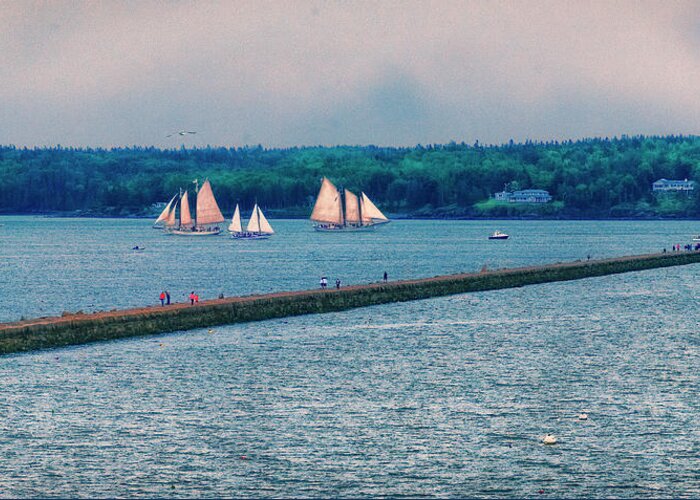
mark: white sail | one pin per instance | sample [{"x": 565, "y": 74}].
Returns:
[
  {"x": 170, "y": 221},
  {"x": 327, "y": 208},
  {"x": 254, "y": 222},
  {"x": 185, "y": 216},
  {"x": 258, "y": 223},
  {"x": 352, "y": 208},
  {"x": 235, "y": 226},
  {"x": 265, "y": 226},
  {"x": 166, "y": 211},
  {"x": 207, "y": 209},
  {"x": 370, "y": 213}
]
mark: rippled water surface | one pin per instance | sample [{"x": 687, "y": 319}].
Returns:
[
  {"x": 444, "y": 397},
  {"x": 53, "y": 265}
]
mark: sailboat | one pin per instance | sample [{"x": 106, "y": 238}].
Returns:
[
  {"x": 258, "y": 226},
  {"x": 345, "y": 212},
  {"x": 207, "y": 215},
  {"x": 160, "y": 221}
]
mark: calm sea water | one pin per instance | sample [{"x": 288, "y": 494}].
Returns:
[
  {"x": 444, "y": 397},
  {"x": 53, "y": 265}
]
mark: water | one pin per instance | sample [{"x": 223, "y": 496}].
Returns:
[
  {"x": 445, "y": 397},
  {"x": 54, "y": 265}
]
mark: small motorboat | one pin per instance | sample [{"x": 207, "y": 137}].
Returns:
[
  {"x": 695, "y": 238},
  {"x": 497, "y": 235}
]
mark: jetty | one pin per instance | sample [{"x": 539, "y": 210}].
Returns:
[{"x": 72, "y": 329}]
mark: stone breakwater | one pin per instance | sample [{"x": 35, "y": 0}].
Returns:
[{"x": 82, "y": 328}]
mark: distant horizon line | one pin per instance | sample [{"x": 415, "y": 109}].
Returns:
[{"x": 476, "y": 144}]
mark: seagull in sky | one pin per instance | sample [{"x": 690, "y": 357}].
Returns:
[{"x": 182, "y": 133}]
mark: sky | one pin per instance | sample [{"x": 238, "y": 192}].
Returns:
[{"x": 295, "y": 73}]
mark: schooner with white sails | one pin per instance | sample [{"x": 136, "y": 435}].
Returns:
[
  {"x": 207, "y": 218},
  {"x": 335, "y": 211},
  {"x": 258, "y": 226}
]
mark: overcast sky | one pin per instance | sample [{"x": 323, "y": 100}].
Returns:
[{"x": 289, "y": 73}]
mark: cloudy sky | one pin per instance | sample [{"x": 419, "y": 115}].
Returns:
[{"x": 285, "y": 73}]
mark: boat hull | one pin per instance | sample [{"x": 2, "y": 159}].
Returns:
[
  {"x": 503, "y": 237},
  {"x": 211, "y": 232},
  {"x": 246, "y": 237},
  {"x": 327, "y": 228}
]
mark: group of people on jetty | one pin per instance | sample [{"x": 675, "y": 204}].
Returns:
[
  {"x": 688, "y": 248},
  {"x": 324, "y": 281},
  {"x": 194, "y": 298},
  {"x": 165, "y": 298}
]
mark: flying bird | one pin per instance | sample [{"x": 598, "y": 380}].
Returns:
[{"x": 181, "y": 132}]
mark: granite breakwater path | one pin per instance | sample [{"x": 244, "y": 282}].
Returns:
[{"x": 72, "y": 329}]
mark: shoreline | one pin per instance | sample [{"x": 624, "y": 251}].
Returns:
[
  {"x": 74, "y": 329},
  {"x": 393, "y": 217}
]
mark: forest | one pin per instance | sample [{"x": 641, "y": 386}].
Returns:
[{"x": 591, "y": 178}]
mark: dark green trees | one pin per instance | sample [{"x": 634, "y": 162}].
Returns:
[{"x": 593, "y": 177}]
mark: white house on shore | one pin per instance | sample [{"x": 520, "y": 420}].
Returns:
[
  {"x": 524, "y": 196},
  {"x": 673, "y": 185}
]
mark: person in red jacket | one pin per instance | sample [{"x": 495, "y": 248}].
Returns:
[
  {"x": 192, "y": 298},
  {"x": 196, "y": 298},
  {"x": 162, "y": 298}
]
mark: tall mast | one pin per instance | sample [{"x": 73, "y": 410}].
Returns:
[
  {"x": 179, "y": 199},
  {"x": 359, "y": 209},
  {"x": 257, "y": 214},
  {"x": 196, "y": 198},
  {"x": 341, "y": 193}
]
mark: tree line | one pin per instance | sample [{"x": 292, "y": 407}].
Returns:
[{"x": 592, "y": 177}]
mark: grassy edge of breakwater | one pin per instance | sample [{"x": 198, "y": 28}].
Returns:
[{"x": 83, "y": 328}]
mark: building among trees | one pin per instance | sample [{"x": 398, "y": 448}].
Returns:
[
  {"x": 524, "y": 196},
  {"x": 673, "y": 185}
]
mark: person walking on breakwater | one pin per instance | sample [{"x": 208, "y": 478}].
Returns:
[
  {"x": 337, "y": 284},
  {"x": 386, "y": 277},
  {"x": 162, "y": 299},
  {"x": 167, "y": 298},
  {"x": 196, "y": 298},
  {"x": 192, "y": 298},
  {"x": 324, "y": 282}
]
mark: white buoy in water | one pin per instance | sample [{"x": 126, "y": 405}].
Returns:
[
  {"x": 583, "y": 416},
  {"x": 549, "y": 439}
]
